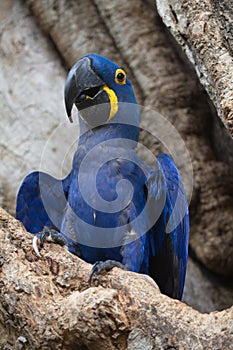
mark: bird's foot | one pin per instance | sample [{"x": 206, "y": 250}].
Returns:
[
  {"x": 48, "y": 235},
  {"x": 104, "y": 266}
]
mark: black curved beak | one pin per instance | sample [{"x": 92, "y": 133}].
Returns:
[{"x": 82, "y": 87}]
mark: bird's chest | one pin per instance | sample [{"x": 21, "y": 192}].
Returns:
[
  {"x": 104, "y": 191},
  {"x": 101, "y": 193}
]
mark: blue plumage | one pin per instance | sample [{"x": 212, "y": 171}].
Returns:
[{"x": 112, "y": 205}]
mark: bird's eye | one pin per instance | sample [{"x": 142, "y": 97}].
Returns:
[{"x": 120, "y": 77}]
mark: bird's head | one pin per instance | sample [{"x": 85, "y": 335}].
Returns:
[{"x": 99, "y": 88}]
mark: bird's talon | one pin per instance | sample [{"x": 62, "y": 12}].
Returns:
[
  {"x": 49, "y": 235},
  {"x": 104, "y": 266},
  {"x": 35, "y": 246}
]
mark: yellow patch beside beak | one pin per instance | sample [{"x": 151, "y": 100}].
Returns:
[{"x": 113, "y": 101}]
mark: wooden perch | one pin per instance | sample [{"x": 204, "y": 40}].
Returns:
[{"x": 47, "y": 304}]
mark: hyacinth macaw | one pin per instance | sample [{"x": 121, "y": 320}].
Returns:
[{"x": 112, "y": 209}]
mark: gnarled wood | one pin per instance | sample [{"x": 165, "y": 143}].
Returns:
[{"x": 47, "y": 304}]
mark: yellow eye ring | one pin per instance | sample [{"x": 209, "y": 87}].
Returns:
[{"x": 120, "y": 77}]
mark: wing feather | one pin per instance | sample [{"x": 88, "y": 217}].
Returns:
[
  {"x": 41, "y": 201},
  {"x": 169, "y": 236}
]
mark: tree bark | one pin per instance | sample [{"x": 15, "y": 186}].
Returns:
[
  {"x": 204, "y": 31},
  {"x": 47, "y": 303}
]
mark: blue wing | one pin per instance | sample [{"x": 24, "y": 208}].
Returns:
[
  {"x": 41, "y": 201},
  {"x": 169, "y": 236}
]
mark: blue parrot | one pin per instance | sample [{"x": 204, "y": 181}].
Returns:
[{"x": 112, "y": 209}]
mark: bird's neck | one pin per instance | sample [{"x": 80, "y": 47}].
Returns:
[
  {"x": 125, "y": 129},
  {"x": 111, "y": 135},
  {"x": 124, "y": 132}
]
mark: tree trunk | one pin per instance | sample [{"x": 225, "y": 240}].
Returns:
[
  {"x": 204, "y": 31},
  {"x": 47, "y": 303}
]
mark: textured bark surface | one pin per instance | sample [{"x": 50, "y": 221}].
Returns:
[
  {"x": 204, "y": 30},
  {"x": 47, "y": 303}
]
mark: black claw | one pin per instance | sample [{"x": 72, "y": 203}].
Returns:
[
  {"x": 57, "y": 238},
  {"x": 104, "y": 266},
  {"x": 42, "y": 236},
  {"x": 49, "y": 235}
]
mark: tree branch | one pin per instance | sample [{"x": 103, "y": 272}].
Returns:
[{"x": 47, "y": 303}]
